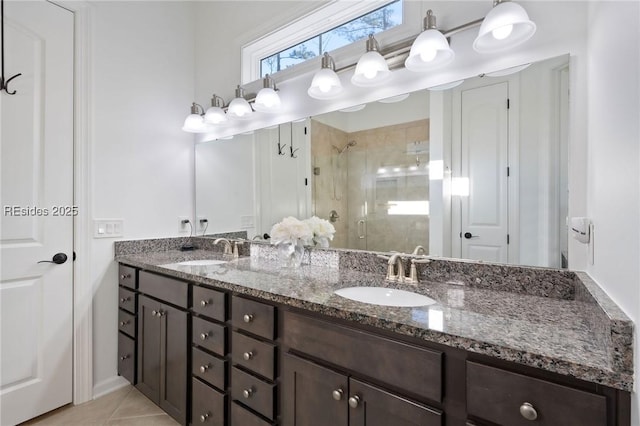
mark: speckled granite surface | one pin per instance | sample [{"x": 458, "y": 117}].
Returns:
[{"x": 566, "y": 324}]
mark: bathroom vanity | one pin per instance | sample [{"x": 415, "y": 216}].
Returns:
[{"x": 248, "y": 343}]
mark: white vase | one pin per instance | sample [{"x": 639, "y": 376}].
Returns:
[{"x": 290, "y": 253}]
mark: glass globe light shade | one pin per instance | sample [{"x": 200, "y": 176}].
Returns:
[
  {"x": 194, "y": 124},
  {"x": 507, "y": 25},
  {"x": 239, "y": 108},
  {"x": 371, "y": 70},
  {"x": 215, "y": 115},
  {"x": 430, "y": 50},
  {"x": 267, "y": 100},
  {"x": 325, "y": 84}
]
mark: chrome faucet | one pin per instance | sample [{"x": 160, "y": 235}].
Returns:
[{"x": 227, "y": 244}]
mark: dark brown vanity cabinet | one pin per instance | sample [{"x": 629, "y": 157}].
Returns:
[
  {"x": 127, "y": 317},
  {"x": 254, "y": 355},
  {"x": 163, "y": 343},
  {"x": 314, "y": 395}
]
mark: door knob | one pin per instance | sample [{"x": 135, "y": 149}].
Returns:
[
  {"x": 58, "y": 259},
  {"x": 469, "y": 235}
]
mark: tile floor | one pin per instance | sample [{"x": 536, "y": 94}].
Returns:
[{"x": 124, "y": 407}]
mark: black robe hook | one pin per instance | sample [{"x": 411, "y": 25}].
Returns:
[{"x": 4, "y": 84}]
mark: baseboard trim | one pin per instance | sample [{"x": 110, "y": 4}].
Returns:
[{"x": 109, "y": 385}]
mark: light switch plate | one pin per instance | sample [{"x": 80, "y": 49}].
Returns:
[{"x": 108, "y": 228}]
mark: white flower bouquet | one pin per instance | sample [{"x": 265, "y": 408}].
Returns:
[
  {"x": 291, "y": 230},
  {"x": 322, "y": 231}
]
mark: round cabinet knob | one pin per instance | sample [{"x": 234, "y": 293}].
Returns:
[
  {"x": 247, "y": 393},
  {"x": 123, "y": 357},
  {"x": 247, "y": 355},
  {"x": 337, "y": 394},
  {"x": 204, "y": 336},
  {"x": 247, "y": 318},
  {"x": 204, "y": 417},
  {"x": 204, "y": 303},
  {"x": 154, "y": 313},
  {"x": 125, "y": 299},
  {"x": 528, "y": 412},
  {"x": 160, "y": 313},
  {"x": 123, "y": 323},
  {"x": 354, "y": 401},
  {"x": 125, "y": 276},
  {"x": 204, "y": 368}
]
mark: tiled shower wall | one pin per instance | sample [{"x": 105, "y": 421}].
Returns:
[{"x": 381, "y": 167}]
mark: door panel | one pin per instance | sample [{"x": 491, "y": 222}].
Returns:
[
  {"x": 174, "y": 376},
  {"x": 484, "y": 161},
  {"x": 377, "y": 407},
  {"x": 36, "y": 139},
  {"x": 308, "y": 394}
]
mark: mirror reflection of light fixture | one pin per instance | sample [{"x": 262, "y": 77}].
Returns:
[
  {"x": 460, "y": 186},
  {"x": 446, "y": 86},
  {"x": 326, "y": 83},
  {"x": 239, "y": 108},
  {"x": 215, "y": 113},
  {"x": 430, "y": 49},
  {"x": 372, "y": 68},
  {"x": 267, "y": 99},
  {"x": 353, "y": 108},
  {"x": 505, "y": 26},
  {"x": 507, "y": 71},
  {"x": 194, "y": 123},
  {"x": 394, "y": 99}
]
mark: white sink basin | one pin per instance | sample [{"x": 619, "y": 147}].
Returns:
[
  {"x": 385, "y": 296},
  {"x": 203, "y": 262}
]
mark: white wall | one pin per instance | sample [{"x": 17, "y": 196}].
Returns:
[
  {"x": 613, "y": 188},
  {"x": 142, "y": 72}
]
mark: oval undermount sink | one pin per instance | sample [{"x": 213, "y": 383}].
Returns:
[
  {"x": 385, "y": 296},
  {"x": 202, "y": 262}
]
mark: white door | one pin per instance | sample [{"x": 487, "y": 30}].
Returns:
[
  {"x": 36, "y": 140},
  {"x": 484, "y": 211}
]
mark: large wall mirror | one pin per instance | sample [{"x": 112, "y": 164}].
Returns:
[{"x": 475, "y": 171}]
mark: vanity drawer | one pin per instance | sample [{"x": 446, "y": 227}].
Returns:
[
  {"x": 210, "y": 303},
  {"x": 127, "y": 300},
  {"x": 127, "y": 323},
  {"x": 207, "y": 405},
  {"x": 164, "y": 288},
  {"x": 255, "y": 317},
  {"x": 242, "y": 417},
  {"x": 127, "y": 277},
  {"x": 409, "y": 368},
  {"x": 126, "y": 358},
  {"x": 209, "y": 335},
  {"x": 257, "y": 356},
  {"x": 209, "y": 368},
  {"x": 501, "y": 396},
  {"x": 253, "y": 392}
]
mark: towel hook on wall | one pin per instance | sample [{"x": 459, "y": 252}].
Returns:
[{"x": 4, "y": 84}]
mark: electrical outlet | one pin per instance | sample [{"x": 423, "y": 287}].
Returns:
[
  {"x": 182, "y": 226},
  {"x": 202, "y": 223}
]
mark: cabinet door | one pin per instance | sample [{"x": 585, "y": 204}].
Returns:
[
  {"x": 149, "y": 325},
  {"x": 174, "y": 374},
  {"x": 372, "y": 406},
  {"x": 313, "y": 395}
]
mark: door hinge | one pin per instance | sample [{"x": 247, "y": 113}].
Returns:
[
  {"x": 305, "y": 130},
  {"x": 508, "y": 171},
  {"x": 306, "y": 182},
  {"x": 507, "y": 238},
  {"x": 508, "y": 103}
]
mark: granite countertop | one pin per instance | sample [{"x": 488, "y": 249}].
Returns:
[{"x": 584, "y": 337}]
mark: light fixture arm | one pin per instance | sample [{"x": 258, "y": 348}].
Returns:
[
  {"x": 372, "y": 44},
  {"x": 327, "y": 62},
  {"x": 217, "y": 101},
  {"x": 194, "y": 108},
  {"x": 269, "y": 83}
]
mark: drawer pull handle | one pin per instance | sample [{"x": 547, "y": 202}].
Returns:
[
  {"x": 204, "y": 417},
  {"x": 528, "y": 412},
  {"x": 125, "y": 299},
  {"x": 123, "y": 357},
  {"x": 247, "y": 318},
  {"x": 247, "y": 355},
  {"x": 337, "y": 394},
  {"x": 125, "y": 276},
  {"x": 123, "y": 323},
  {"x": 247, "y": 393},
  {"x": 204, "y": 336},
  {"x": 354, "y": 401},
  {"x": 204, "y": 368},
  {"x": 204, "y": 303}
]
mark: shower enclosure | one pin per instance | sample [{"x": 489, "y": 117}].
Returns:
[{"x": 377, "y": 181}]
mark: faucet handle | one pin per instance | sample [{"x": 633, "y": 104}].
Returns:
[{"x": 235, "y": 248}]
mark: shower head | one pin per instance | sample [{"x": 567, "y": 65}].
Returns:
[{"x": 346, "y": 147}]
